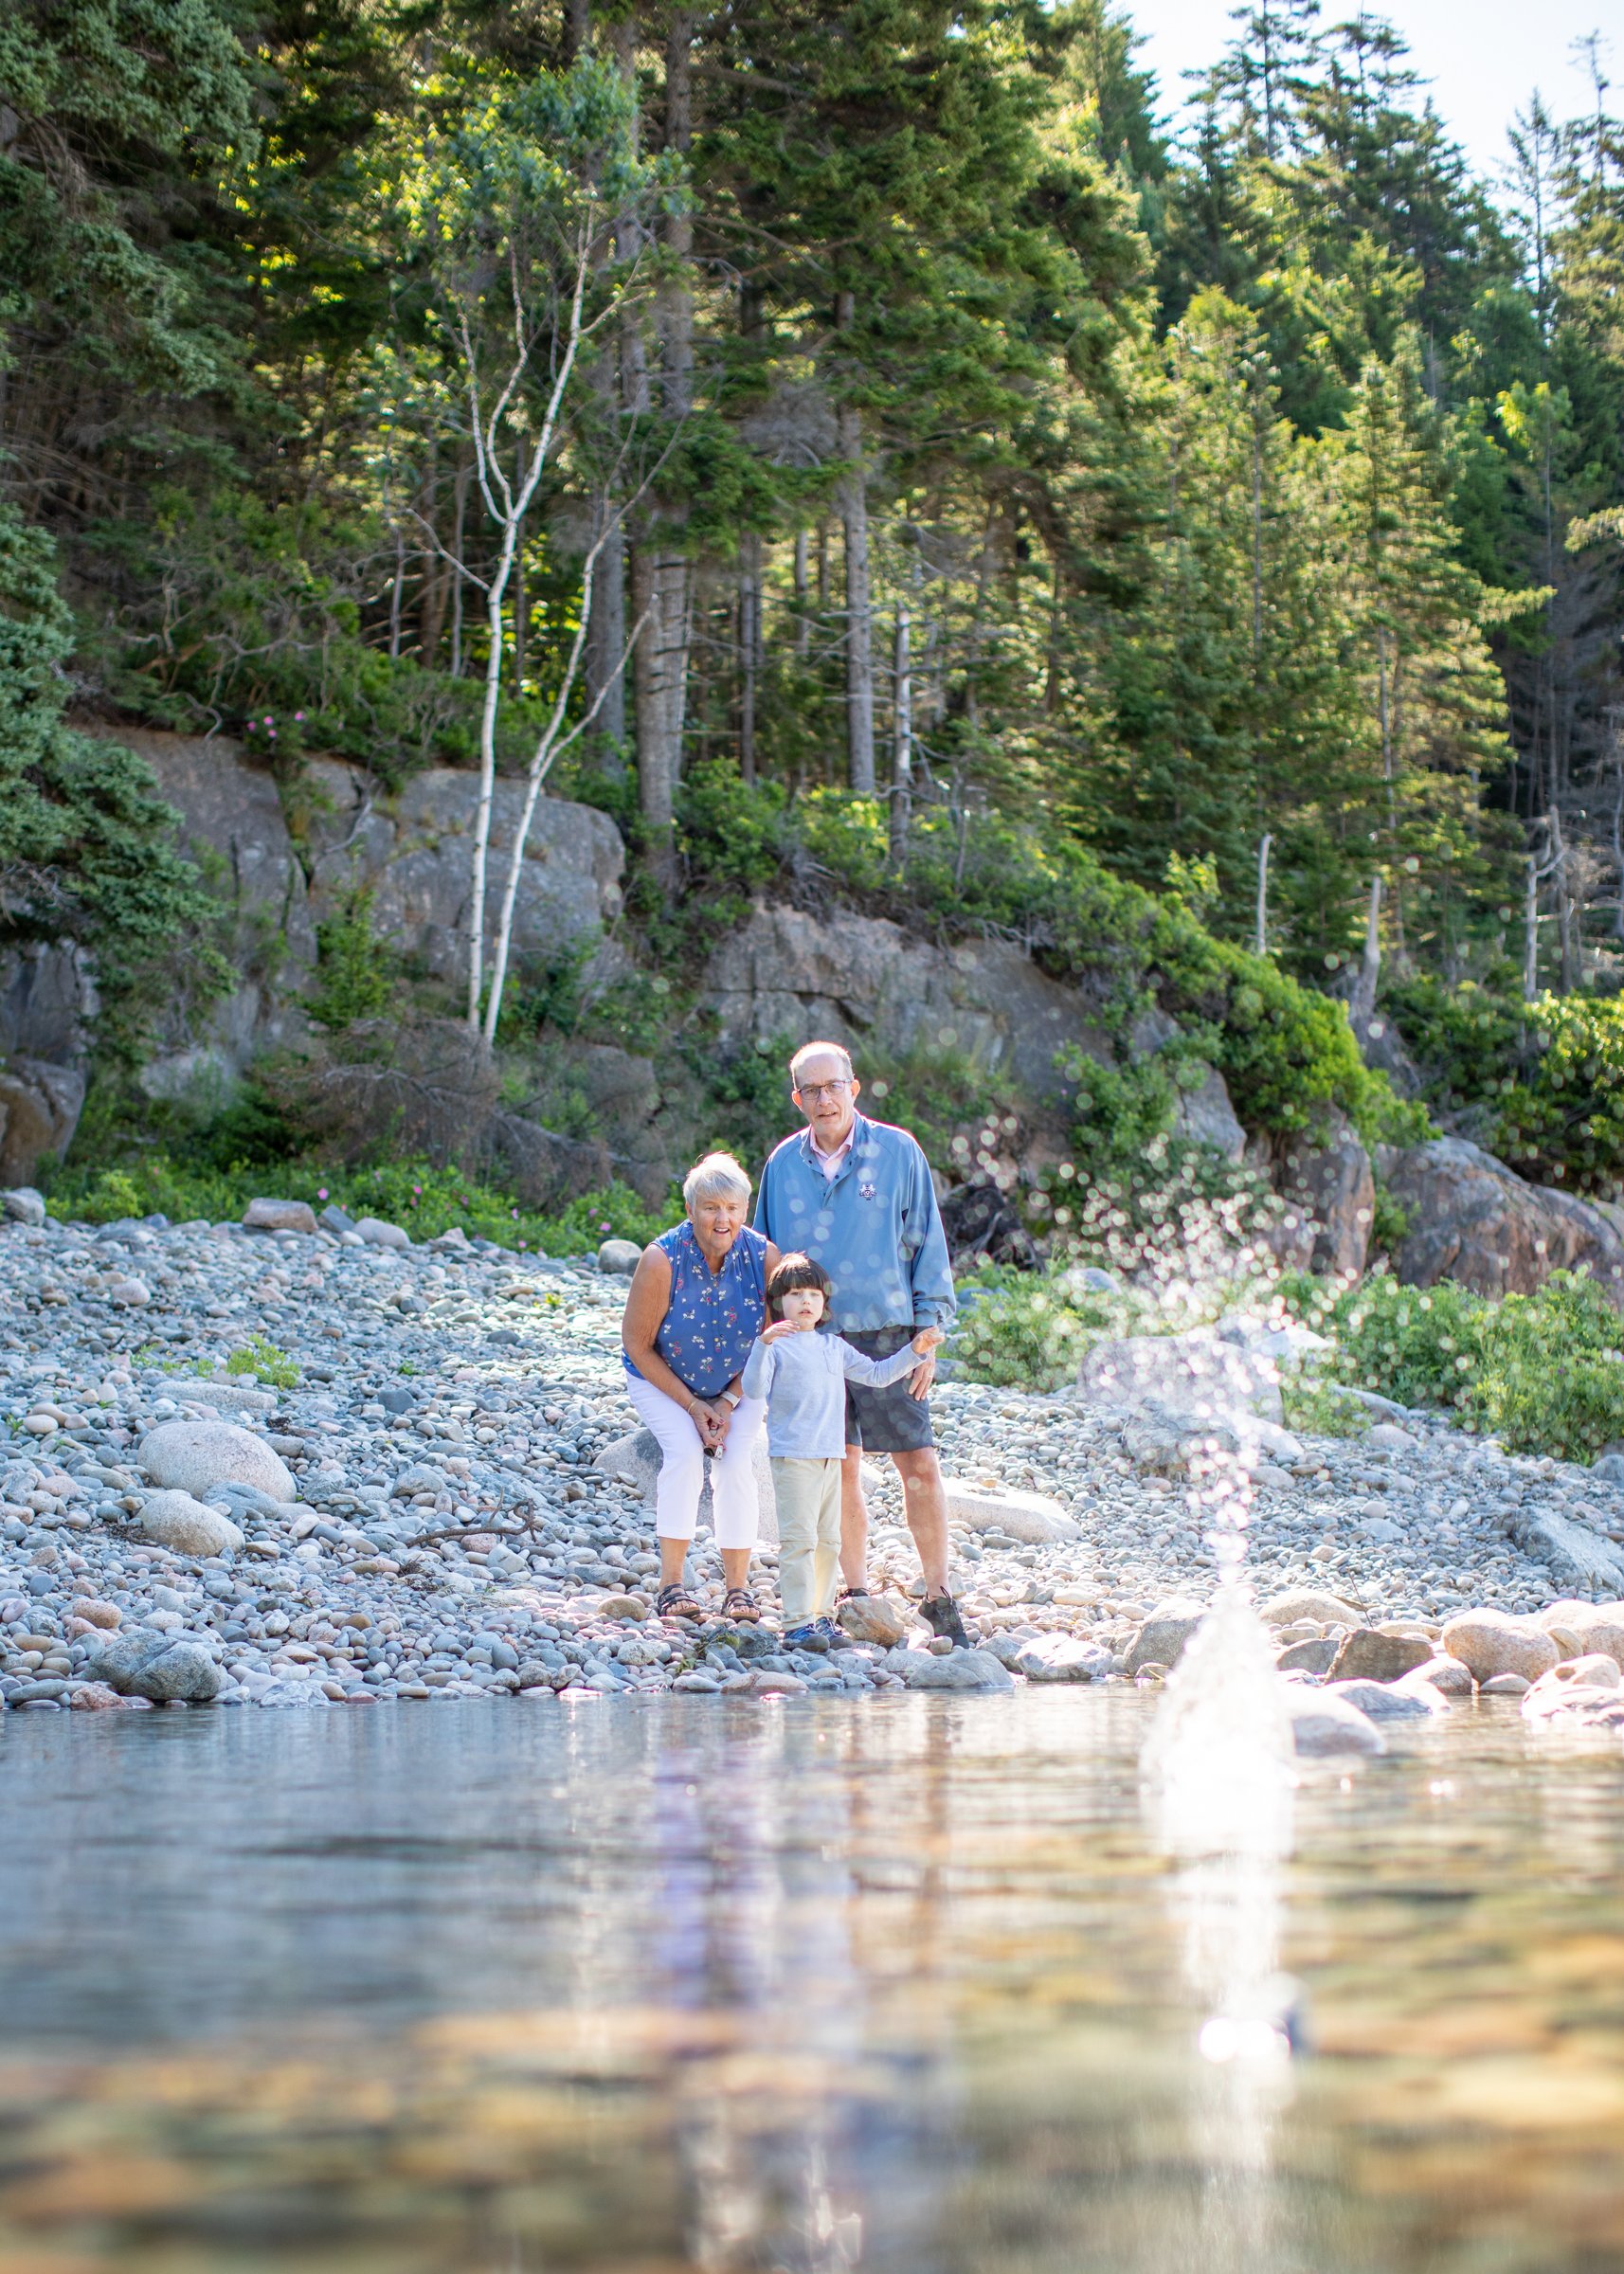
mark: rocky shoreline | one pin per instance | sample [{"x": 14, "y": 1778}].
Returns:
[{"x": 441, "y": 1504}]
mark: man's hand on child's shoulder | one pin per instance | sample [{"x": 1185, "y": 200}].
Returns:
[{"x": 927, "y": 1339}]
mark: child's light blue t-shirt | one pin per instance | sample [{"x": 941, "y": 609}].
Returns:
[{"x": 804, "y": 1378}]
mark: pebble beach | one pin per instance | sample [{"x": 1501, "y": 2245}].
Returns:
[{"x": 421, "y": 1514}]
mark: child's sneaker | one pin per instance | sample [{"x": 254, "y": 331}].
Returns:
[{"x": 809, "y": 1637}]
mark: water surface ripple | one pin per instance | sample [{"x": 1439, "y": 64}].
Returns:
[{"x": 909, "y": 1985}]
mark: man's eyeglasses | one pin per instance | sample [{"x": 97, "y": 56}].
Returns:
[{"x": 813, "y": 1094}]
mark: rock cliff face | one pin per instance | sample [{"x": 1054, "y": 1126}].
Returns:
[
  {"x": 863, "y": 978},
  {"x": 410, "y": 849}
]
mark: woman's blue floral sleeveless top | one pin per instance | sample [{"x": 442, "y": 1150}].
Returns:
[{"x": 713, "y": 1317}]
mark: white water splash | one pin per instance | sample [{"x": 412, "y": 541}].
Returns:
[{"x": 1218, "y": 1783}]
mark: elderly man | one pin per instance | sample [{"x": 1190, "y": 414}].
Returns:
[{"x": 856, "y": 1195}]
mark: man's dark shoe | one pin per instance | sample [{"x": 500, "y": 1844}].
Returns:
[{"x": 942, "y": 1617}]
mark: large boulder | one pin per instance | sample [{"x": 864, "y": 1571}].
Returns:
[
  {"x": 1478, "y": 1223},
  {"x": 1030, "y": 1517},
  {"x": 1321, "y": 1724},
  {"x": 267, "y": 1214},
  {"x": 1369, "y": 1655},
  {"x": 1597, "y": 1628},
  {"x": 957, "y": 1669},
  {"x": 191, "y": 1457},
  {"x": 1582, "y": 1691},
  {"x": 1299, "y": 1603},
  {"x": 410, "y": 848},
  {"x": 39, "y": 1105},
  {"x": 1062, "y": 1658},
  {"x": 1489, "y": 1642},
  {"x": 231, "y": 1396},
  {"x": 1380, "y": 1703},
  {"x": 878, "y": 1618},
  {"x": 982, "y": 1224},
  {"x": 1574, "y": 1555}
]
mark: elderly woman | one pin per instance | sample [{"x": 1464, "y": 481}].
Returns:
[{"x": 695, "y": 1305}]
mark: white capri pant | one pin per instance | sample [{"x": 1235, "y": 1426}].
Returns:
[{"x": 683, "y": 1468}]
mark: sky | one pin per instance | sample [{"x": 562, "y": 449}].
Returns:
[{"x": 1483, "y": 56}]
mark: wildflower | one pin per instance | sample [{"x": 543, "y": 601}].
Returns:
[{"x": 321, "y": 1192}]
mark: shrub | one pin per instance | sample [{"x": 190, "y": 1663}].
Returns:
[
  {"x": 1546, "y": 1079},
  {"x": 355, "y": 969},
  {"x": 1018, "y": 1330},
  {"x": 845, "y": 835},
  {"x": 425, "y": 1199},
  {"x": 1563, "y": 1121},
  {"x": 266, "y": 1363},
  {"x": 1543, "y": 1373},
  {"x": 1319, "y": 1409}
]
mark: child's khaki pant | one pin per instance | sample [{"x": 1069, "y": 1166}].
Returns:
[{"x": 809, "y": 1497}]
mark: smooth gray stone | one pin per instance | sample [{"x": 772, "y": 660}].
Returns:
[
  {"x": 1382, "y": 1703},
  {"x": 1161, "y": 1640},
  {"x": 158, "y": 1667},
  {"x": 192, "y": 1456},
  {"x": 957, "y": 1669}
]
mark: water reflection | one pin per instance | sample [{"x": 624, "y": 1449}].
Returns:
[{"x": 915, "y": 1985}]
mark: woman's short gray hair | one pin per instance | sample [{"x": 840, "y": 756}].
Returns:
[{"x": 713, "y": 1177}]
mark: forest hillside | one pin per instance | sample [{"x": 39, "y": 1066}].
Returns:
[{"x": 895, "y": 494}]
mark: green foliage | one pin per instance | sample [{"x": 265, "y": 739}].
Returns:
[
  {"x": 1282, "y": 1050},
  {"x": 1563, "y": 1120},
  {"x": 848, "y": 836},
  {"x": 83, "y": 841},
  {"x": 354, "y": 974},
  {"x": 1543, "y": 1373},
  {"x": 425, "y": 1199},
  {"x": 266, "y": 1363},
  {"x": 730, "y": 832},
  {"x": 1018, "y": 1330},
  {"x": 1320, "y": 1409},
  {"x": 1119, "y": 1112},
  {"x": 1542, "y": 1083}
]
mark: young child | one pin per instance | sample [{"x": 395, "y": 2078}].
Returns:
[{"x": 802, "y": 1374}]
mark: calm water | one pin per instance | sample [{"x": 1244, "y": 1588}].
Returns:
[{"x": 905, "y": 1985}]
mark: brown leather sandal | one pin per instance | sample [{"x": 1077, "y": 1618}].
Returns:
[
  {"x": 677, "y": 1602},
  {"x": 740, "y": 1605}
]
